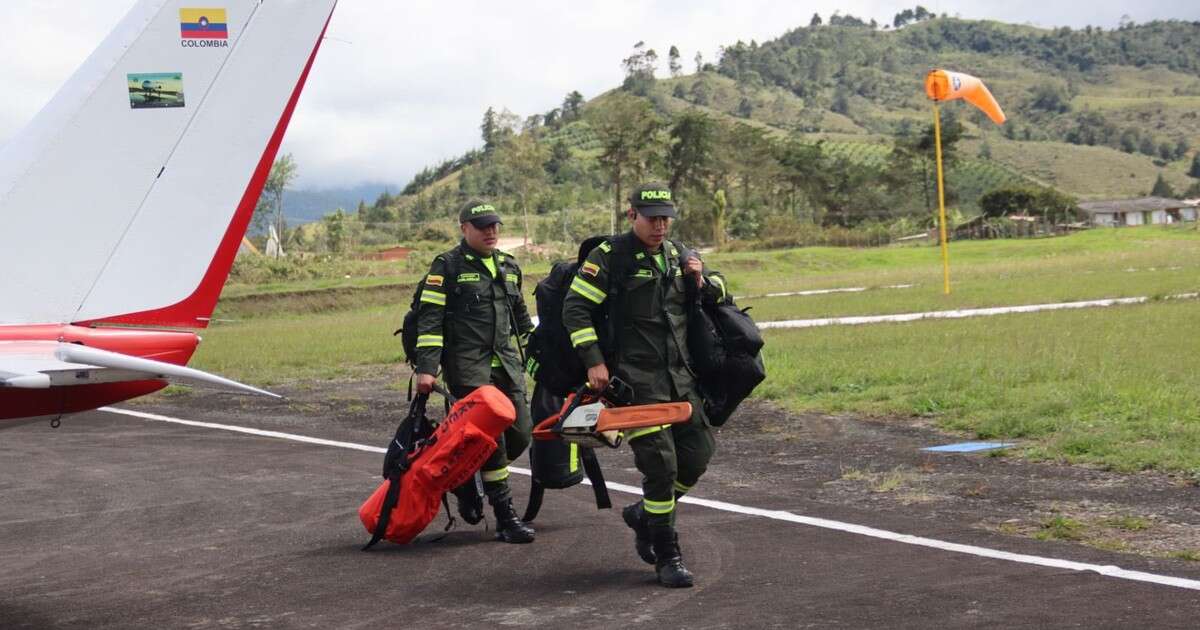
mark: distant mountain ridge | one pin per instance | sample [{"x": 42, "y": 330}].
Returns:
[{"x": 308, "y": 205}]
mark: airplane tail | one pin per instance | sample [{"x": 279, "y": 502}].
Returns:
[{"x": 126, "y": 198}]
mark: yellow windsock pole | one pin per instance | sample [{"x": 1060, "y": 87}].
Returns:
[
  {"x": 937, "y": 141},
  {"x": 942, "y": 85}
]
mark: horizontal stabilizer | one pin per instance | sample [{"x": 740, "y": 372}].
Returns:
[
  {"x": 73, "y": 353},
  {"x": 45, "y": 364}
]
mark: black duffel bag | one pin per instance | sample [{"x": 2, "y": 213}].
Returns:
[{"x": 725, "y": 345}]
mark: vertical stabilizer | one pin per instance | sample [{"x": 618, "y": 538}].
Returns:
[{"x": 128, "y": 195}]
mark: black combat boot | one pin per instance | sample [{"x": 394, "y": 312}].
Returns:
[
  {"x": 669, "y": 564},
  {"x": 509, "y": 528},
  {"x": 470, "y": 502},
  {"x": 635, "y": 518}
]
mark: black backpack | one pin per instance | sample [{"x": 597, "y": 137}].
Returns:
[
  {"x": 550, "y": 358},
  {"x": 556, "y": 464},
  {"x": 408, "y": 328}
]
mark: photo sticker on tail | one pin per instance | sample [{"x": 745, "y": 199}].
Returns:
[{"x": 155, "y": 89}]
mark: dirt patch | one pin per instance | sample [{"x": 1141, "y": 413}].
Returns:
[{"x": 851, "y": 461}]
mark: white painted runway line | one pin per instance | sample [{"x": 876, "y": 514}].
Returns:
[
  {"x": 778, "y": 515},
  {"x": 822, "y": 291},
  {"x": 963, "y": 313}
]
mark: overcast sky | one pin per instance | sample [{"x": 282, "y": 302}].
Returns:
[{"x": 400, "y": 85}]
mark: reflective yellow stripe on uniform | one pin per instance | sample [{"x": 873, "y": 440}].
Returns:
[
  {"x": 500, "y": 474},
  {"x": 429, "y": 341},
  {"x": 659, "y": 507},
  {"x": 588, "y": 290},
  {"x": 682, "y": 488},
  {"x": 496, "y": 361},
  {"x": 582, "y": 336},
  {"x": 433, "y": 297},
  {"x": 637, "y": 433},
  {"x": 574, "y": 457},
  {"x": 720, "y": 283}
]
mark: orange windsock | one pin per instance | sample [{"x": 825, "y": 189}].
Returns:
[{"x": 943, "y": 85}]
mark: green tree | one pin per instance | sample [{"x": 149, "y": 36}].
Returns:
[
  {"x": 335, "y": 230},
  {"x": 1166, "y": 151},
  {"x": 690, "y": 154},
  {"x": 841, "y": 101},
  {"x": 269, "y": 209},
  {"x": 639, "y": 69},
  {"x": 1162, "y": 188},
  {"x": 673, "y": 61},
  {"x": 912, "y": 163},
  {"x": 719, "y": 217},
  {"x": 560, "y": 155},
  {"x": 379, "y": 212},
  {"x": 1003, "y": 202},
  {"x": 1195, "y": 170},
  {"x": 1181, "y": 149},
  {"x": 802, "y": 175},
  {"x": 572, "y": 106},
  {"x": 626, "y": 127},
  {"x": 815, "y": 21},
  {"x": 488, "y": 129},
  {"x": 1056, "y": 207},
  {"x": 747, "y": 156},
  {"x": 1146, "y": 146},
  {"x": 522, "y": 162},
  {"x": 745, "y": 108},
  {"x": 851, "y": 193},
  {"x": 1050, "y": 97}
]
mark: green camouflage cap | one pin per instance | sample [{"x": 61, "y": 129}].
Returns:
[
  {"x": 480, "y": 213},
  {"x": 653, "y": 200}
]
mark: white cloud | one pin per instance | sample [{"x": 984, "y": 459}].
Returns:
[{"x": 398, "y": 86}]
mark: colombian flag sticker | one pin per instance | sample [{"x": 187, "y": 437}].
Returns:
[{"x": 203, "y": 24}]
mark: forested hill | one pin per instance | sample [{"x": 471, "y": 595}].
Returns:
[{"x": 829, "y": 125}]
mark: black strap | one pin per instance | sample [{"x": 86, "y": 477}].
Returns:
[
  {"x": 536, "y": 493},
  {"x": 591, "y": 467},
  {"x": 385, "y": 512},
  {"x": 450, "y": 522},
  {"x": 618, "y": 268}
]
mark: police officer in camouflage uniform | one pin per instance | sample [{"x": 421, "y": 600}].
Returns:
[
  {"x": 648, "y": 308},
  {"x": 469, "y": 330}
]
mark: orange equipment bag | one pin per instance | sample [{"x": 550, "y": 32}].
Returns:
[{"x": 401, "y": 507}]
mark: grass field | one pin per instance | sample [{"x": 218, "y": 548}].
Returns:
[{"x": 1119, "y": 387}]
